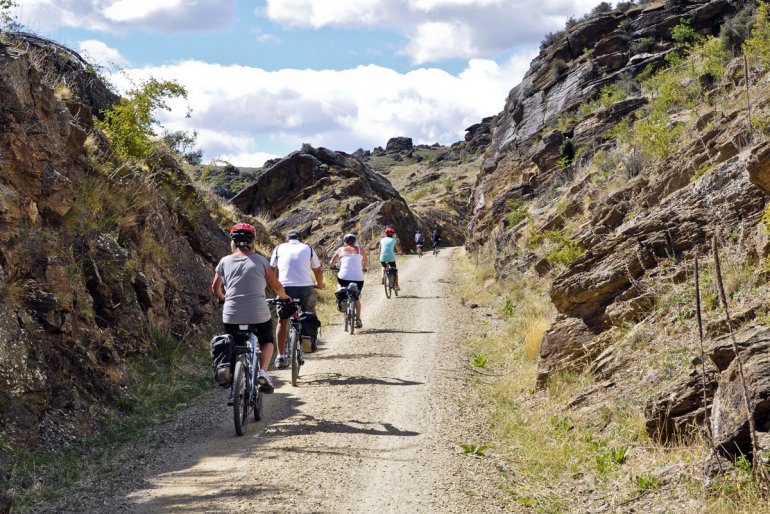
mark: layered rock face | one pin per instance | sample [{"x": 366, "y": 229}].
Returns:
[
  {"x": 568, "y": 72},
  {"x": 91, "y": 254},
  {"x": 325, "y": 194}
]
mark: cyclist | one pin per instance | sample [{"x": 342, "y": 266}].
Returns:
[
  {"x": 295, "y": 263},
  {"x": 389, "y": 246},
  {"x": 436, "y": 237},
  {"x": 353, "y": 262},
  {"x": 239, "y": 283},
  {"x": 419, "y": 239}
]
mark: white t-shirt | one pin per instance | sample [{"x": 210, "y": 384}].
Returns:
[
  {"x": 294, "y": 261},
  {"x": 351, "y": 266}
]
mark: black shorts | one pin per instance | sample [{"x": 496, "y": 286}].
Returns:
[
  {"x": 386, "y": 264},
  {"x": 345, "y": 283},
  {"x": 307, "y": 300},
  {"x": 263, "y": 331}
]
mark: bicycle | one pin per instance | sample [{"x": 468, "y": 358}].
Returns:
[
  {"x": 435, "y": 250},
  {"x": 419, "y": 249},
  {"x": 389, "y": 281},
  {"x": 293, "y": 339},
  {"x": 351, "y": 314},
  {"x": 247, "y": 398}
]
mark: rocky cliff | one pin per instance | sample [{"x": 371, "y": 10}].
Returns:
[
  {"x": 572, "y": 191},
  {"x": 94, "y": 253}
]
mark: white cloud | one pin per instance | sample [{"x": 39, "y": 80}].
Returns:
[
  {"x": 437, "y": 29},
  {"x": 244, "y": 114},
  {"x": 99, "y": 53},
  {"x": 119, "y": 15}
]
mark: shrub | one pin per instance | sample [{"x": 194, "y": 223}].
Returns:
[
  {"x": 558, "y": 68},
  {"x": 737, "y": 29},
  {"x": 757, "y": 47},
  {"x": 602, "y": 8},
  {"x": 550, "y": 39},
  {"x": 642, "y": 45},
  {"x": 129, "y": 124},
  {"x": 624, "y": 6},
  {"x": 684, "y": 35},
  {"x": 516, "y": 212}
]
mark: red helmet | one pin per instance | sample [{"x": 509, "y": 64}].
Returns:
[
  {"x": 242, "y": 234},
  {"x": 390, "y": 230}
]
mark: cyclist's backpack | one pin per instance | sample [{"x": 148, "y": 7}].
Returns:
[
  {"x": 310, "y": 324},
  {"x": 342, "y": 296},
  {"x": 221, "y": 356}
]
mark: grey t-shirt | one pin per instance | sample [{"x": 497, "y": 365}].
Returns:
[{"x": 244, "y": 280}]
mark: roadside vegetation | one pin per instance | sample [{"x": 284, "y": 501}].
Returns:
[{"x": 581, "y": 443}]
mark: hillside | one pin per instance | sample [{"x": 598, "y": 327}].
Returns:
[{"x": 637, "y": 144}]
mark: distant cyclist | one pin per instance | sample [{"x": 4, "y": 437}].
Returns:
[
  {"x": 296, "y": 264},
  {"x": 353, "y": 261},
  {"x": 436, "y": 238},
  {"x": 419, "y": 240},
  {"x": 239, "y": 283},
  {"x": 389, "y": 246}
]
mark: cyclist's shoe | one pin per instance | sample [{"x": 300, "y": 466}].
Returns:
[
  {"x": 281, "y": 362},
  {"x": 358, "y": 323},
  {"x": 265, "y": 385},
  {"x": 231, "y": 398}
]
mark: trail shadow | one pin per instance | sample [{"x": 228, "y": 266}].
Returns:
[
  {"x": 393, "y": 331},
  {"x": 332, "y": 379},
  {"x": 415, "y": 297},
  {"x": 356, "y": 356},
  {"x": 311, "y": 425}
]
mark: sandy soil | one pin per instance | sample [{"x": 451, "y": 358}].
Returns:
[{"x": 374, "y": 425}]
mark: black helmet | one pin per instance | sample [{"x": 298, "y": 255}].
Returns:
[
  {"x": 242, "y": 234},
  {"x": 294, "y": 234},
  {"x": 349, "y": 238}
]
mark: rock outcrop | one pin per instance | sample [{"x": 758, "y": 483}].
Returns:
[
  {"x": 324, "y": 194},
  {"x": 92, "y": 252}
]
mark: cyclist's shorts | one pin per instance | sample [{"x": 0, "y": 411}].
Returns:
[
  {"x": 263, "y": 331},
  {"x": 307, "y": 298},
  {"x": 345, "y": 283},
  {"x": 386, "y": 264}
]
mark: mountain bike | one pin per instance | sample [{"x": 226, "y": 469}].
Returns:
[
  {"x": 390, "y": 281},
  {"x": 351, "y": 314},
  {"x": 247, "y": 398},
  {"x": 435, "y": 250},
  {"x": 419, "y": 249},
  {"x": 293, "y": 346}
]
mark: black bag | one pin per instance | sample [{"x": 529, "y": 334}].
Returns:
[
  {"x": 310, "y": 324},
  {"x": 221, "y": 357},
  {"x": 342, "y": 296}
]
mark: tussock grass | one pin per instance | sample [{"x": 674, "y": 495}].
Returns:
[{"x": 559, "y": 458}]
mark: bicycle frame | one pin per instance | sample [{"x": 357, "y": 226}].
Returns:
[{"x": 247, "y": 398}]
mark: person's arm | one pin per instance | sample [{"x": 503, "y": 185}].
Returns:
[
  {"x": 216, "y": 287},
  {"x": 398, "y": 248},
  {"x": 319, "y": 278},
  {"x": 335, "y": 258},
  {"x": 275, "y": 284},
  {"x": 364, "y": 258}
]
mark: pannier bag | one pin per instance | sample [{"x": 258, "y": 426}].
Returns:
[
  {"x": 353, "y": 290},
  {"x": 342, "y": 296},
  {"x": 221, "y": 356},
  {"x": 310, "y": 324}
]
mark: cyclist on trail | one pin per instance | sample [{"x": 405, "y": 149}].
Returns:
[
  {"x": 239, "y": 283},
  {"x": 436, "y": 237},
  {"x": 353, "y": 262},
  {"x": 389, "y": 246},
  {"x": 296, "y": 264},
  {"x": 419, "y": 239}
]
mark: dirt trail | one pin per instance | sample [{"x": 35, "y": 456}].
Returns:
[{"x": 374, "y": 426}]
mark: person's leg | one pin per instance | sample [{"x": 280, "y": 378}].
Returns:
[
  {"x": 280, "y": 335},
  {"x": 264, "y": 333},
  {"x": 358, "y": 301}
]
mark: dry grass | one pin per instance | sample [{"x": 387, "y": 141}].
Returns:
[{"x": 596, "y": 455}]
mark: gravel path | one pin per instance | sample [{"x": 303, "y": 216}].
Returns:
[{"x": 374, "y": 425}]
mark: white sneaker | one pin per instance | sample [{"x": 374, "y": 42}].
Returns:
[{"x": 281, "y": 362}]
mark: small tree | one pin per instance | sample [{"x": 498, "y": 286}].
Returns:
[
  {"x": 7, "y": 20},
  {"x": 129, "y": 124}
]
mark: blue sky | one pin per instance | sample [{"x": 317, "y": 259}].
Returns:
[{"x": 264, "y": 77}]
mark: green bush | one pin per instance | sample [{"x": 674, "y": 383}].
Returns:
[
  {"x": 129, "y": 124},
  {"x": 757, "y": 47},
  {"x": 516, "y": 212}
]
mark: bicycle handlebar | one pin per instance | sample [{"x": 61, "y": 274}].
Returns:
[{"x": 279, "y": 301}]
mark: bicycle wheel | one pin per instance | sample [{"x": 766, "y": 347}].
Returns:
[
  {"x": 347, "y": 318},
  {"x": 352, "y": 316},
  {"x": 257, "y": 404},
  {"x": 241, "y": 403},
  {"x": 388, "y": 285},
  {"x": 294, "y": 356}
]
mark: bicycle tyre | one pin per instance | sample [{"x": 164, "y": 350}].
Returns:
[
  {"x": 294, "y": 356},
  {"x": 257, "y": 404},
  {"x": 388, "y": 282},
  {"x": 352, "y": 317},
  {"x": 347, "y": 319},
  {"x": 241, "y": 403},
  {"x": 395, "y": 289}
]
